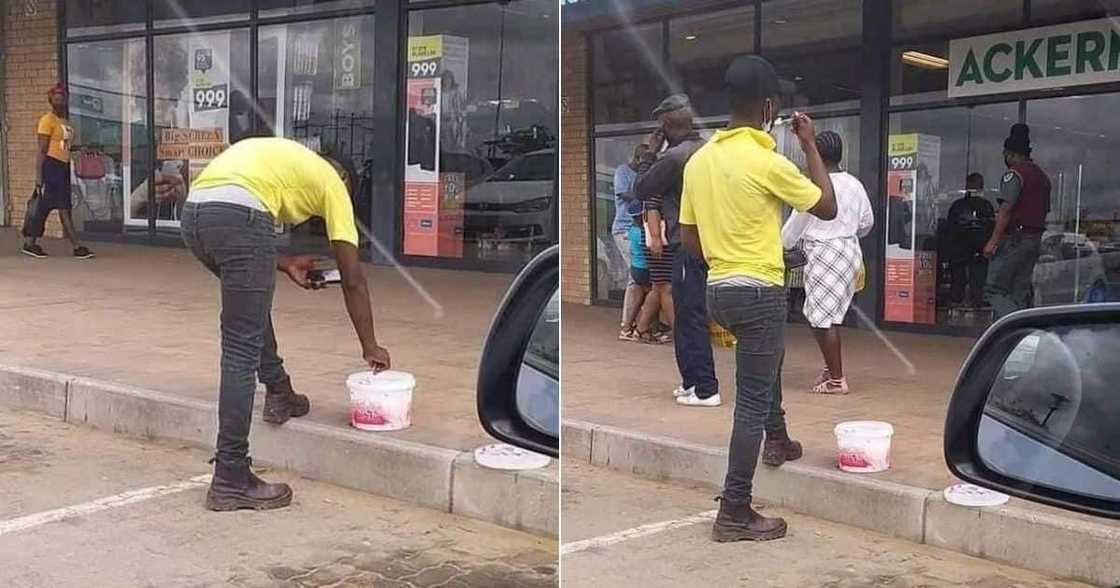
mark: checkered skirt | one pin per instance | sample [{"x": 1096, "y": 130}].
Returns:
[{"x": 830, "y": 279}]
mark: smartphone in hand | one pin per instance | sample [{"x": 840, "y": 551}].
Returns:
[{"x": 324, "y": 277}]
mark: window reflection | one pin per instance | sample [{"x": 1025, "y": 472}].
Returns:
[
  {"x": 315, "y": 82},
  {"x": 202, "y": 105},
  {"x": 1051, "y": 414},
  {"x": 481, "y": 132},
  {"x": 109, "y": 112}
]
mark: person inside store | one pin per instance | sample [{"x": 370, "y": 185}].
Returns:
[
  {"x": 229, "y": 222},
  {"x": 970, "y": 223},
  {"x": 1017, "y": 238},
  {"x": 660, "y": 176},
  {"x": 734, "y": 189},
  {"x": 626, "y": 207},
  {"x": 834, "y": 259},
  {"x": 52, "y": 177}
]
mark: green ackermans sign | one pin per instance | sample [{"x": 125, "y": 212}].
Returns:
[{"x": 1073, "y": 54}]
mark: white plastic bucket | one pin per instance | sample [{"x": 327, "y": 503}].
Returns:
[
  {"x": 864, "y": 446},
  {"x": 381, "y": 402}
]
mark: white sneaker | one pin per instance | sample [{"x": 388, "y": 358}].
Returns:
[
  {"x": 681, "y": 391},
  {"x": 691, "y": 399}
]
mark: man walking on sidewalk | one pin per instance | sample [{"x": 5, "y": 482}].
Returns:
[
  {"x": 661, "y": 175},
  {"x": 52, "y": 176},
  {"x": 731, "y": 214},
  {"x": 229, "y": 223}
]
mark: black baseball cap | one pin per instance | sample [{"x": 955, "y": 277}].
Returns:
[{"x": 752, "y": 78}]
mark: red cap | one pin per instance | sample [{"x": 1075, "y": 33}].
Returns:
[{"x": 56, "y": 89}]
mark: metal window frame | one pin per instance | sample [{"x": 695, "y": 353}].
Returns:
[{"x": 390, "y": 45}]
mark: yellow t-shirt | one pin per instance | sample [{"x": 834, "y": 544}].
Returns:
[
  {"x": 293, "y": 182},
  {"x": 734, "y": 187},
  {"x": 61, "y": 134}
]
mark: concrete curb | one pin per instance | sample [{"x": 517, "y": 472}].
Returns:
[
  {"x": 434, "y": 477},
  {"x": 34, "y": 390},
  {"x": 1050, "y": 543}
]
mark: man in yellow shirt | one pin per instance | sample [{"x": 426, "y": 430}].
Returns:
[
  {"x": 229, "y": 224},
  {"x": 52, "y": 176},
  {"x": 731, "y": 216}
]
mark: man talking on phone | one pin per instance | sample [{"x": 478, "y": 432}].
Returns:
[
  {"x": 229, "y": 224},
  {"x": 659, "y": 181}
]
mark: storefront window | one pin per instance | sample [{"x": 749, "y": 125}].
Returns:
[
  {"x": 611, "y": 246},
  {"x": 816, "y": 46},
  {"x": 269, "y": 8},
  {"x": 109, "y": 112},
  {"x": 701, "y": 47},
  {"x": 1072, "y": 140},
  {"x": 481, "y": 132},
  {"x": 96, "y": 17},
  {"x": 202, "y": 105},
  {"x": 1050, "y": 11},
  {"x": 629, "y": 76},
  {"x": 922, "y": 19},
  {"x": 934, "y": 271},
  {"x": 920, "y": 73},
  {"x": 315, "y": 83},
  {"x": 195, "y": 12}
]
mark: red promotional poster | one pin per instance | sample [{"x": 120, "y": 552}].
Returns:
[
  {"x": 421, "y": 182},
  {"x": 913, "y": 175},
  {"x": 450, "y": 214}
]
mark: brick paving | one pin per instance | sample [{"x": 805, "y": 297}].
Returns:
[{"x": 148, "y": 317}]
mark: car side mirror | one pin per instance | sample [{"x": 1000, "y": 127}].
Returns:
[
  {"x": 519, "y": 374},
  {"x": 1036, "y": 409}
]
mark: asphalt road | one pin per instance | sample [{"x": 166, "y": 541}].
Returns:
[
  {"x": 87, "y": 508},
  {"x": 623, "y": 531}
]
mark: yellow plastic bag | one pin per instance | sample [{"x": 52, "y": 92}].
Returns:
[
  {"x": 720, "y": 336},
  {"x": 861, "y": 278}
]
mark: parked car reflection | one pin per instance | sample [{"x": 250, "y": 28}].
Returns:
[
  {"x": 1070, "y": 270},
  {"x": 514, "y": 203}
]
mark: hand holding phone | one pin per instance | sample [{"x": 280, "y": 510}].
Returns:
[{"x": 322, "y": 277}]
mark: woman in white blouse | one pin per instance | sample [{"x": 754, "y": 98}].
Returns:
[{"x": 834, "y": 261}]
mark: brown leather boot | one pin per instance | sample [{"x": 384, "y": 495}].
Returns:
[
  {"x": 281, "y": 403},
  {"x": 740, "y": 522},
  {"x": 235, "y": 487},
  {"x": 779, "y": 448}
]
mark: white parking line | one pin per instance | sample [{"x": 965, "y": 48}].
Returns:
[
  {"x": 106, "y": 503},
  {"x": 636, "y": 532}
]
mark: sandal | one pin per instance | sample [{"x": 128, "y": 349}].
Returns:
[
  {"x": 649, "y": 338},
  {"x": 822, "y": 378},
  {"x": 628, "y": 334},
  {"x": 832, "y": 387}
]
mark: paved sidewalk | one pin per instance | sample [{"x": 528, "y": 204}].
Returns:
[
  {"x": 147, "y": 317},
  {"x": 628, "y": 385}
]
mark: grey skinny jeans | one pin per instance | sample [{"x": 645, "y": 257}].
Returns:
[
  {"x": 238, "y": 245},
  {"x": 757, "y": 319}
]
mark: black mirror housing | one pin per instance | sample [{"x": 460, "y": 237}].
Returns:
[
  {"x": 975, "y": 382},
  {"x": 505, "y": 348}
]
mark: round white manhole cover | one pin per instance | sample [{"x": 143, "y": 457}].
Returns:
[
  {"x": 502, "y": 456},
  {"x": 974, "y": 496}
]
